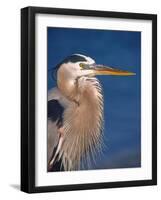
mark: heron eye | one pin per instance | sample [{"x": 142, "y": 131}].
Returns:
[{"x": 81, "y": 65}]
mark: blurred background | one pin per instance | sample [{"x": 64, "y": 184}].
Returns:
[{"x": 122, "y": 99}]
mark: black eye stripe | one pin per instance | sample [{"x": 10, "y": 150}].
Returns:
[{"x": 74, "y": 59}]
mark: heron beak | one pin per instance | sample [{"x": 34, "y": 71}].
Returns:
[{"x": 105, "y": 70}]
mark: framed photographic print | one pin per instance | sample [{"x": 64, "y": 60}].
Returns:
[{"x": 88, "y": 99}]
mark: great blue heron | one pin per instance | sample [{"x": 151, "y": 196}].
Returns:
[{"x": 75, "y": 112}]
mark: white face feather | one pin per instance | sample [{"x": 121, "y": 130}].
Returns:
[{"x": 69, "y": 72}]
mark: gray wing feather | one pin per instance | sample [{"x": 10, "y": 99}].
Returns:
[{"x": 56, "y": 105}]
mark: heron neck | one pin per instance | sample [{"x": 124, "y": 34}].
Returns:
[
  {"x": 69, "y": 89},
  {"x": 83, "y": 123}
]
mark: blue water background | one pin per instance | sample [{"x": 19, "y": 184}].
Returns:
[{"x": 122, "y": 112}]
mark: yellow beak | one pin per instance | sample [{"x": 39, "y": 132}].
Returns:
[{"x": 105, "y": 70}]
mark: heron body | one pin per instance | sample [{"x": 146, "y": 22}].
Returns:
[{"x": 75, "y": 113}]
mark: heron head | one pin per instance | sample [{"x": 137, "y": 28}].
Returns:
[{"x": 78, "y": 65}]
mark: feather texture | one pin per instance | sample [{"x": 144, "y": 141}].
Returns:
[{"x": 82, "y": 125}]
